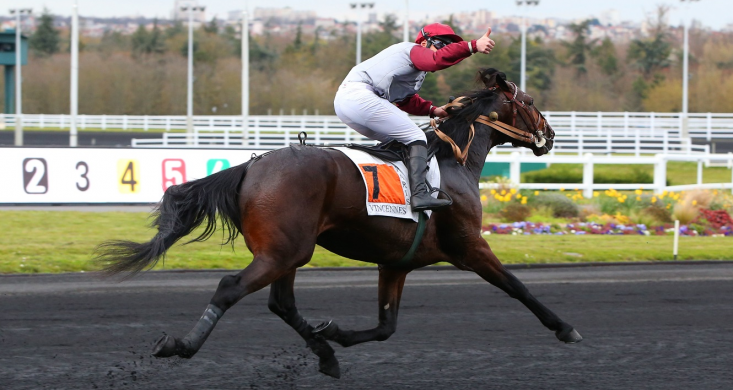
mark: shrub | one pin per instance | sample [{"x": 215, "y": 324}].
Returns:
[
  {"x": 515, "y": 212},
  {"x": 561, "y": 206},
  {"x": 685, "y": 212},
  {"x": 658, "y": 214}
]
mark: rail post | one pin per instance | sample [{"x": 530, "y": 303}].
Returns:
[
  {"x": 515, "y": 169},
  {"x": 699, "y": 172},
  {"x": 588, "y": 176},
  {"x": 626, "y": 123},
  {"x": 710, "y": 126},
  {"x": 572, "y": 123},
  {"x": 660, "y": 173}
]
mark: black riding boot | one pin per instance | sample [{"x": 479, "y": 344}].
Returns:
[{"x": 418, "y": 167}]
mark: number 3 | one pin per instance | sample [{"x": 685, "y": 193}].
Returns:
[{"x": 83, "y": 176}]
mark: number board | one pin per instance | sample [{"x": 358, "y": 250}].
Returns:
[
  {"x": 174, "y": 172},
  {"x": 127, "y": 173},
  {"x": 35, "y": 176},
  {"x": 105, "y": 175},
  {"x": 216, "y": 165}
]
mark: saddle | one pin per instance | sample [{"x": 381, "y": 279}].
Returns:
[{"x": 391, "y": 151}]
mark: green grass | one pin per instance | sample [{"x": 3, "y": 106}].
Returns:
[
  {"x": 63, "y": 241},
  {"x": 678, "y": 173}
]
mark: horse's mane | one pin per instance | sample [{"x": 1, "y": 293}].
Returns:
[{"x": 457, "y": 127}]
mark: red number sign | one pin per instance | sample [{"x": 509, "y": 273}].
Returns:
[{"x": 174, "y": 172}]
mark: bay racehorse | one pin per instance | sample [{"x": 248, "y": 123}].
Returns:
[{"x": 292, "y": 199}]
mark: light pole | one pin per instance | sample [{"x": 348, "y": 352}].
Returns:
[
  {"x": 358, "y": 27},
  {"x": 18, "y": 79},
  {"x": 523, "y": 28},
  {"x": 406, "y": 25},
  {"x": 245, "y": 76},
  {"x": 686, "y": 69},
  {"x": 189, "y": 94},
  {"x": 74, "y": 99}
]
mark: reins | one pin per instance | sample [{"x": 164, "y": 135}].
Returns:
[{"x": 491, "y": 121}]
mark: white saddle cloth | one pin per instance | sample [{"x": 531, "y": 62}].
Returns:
[{"x": 387, "y": 184}]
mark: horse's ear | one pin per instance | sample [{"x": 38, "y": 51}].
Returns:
[{"x": 491, "y": 77}]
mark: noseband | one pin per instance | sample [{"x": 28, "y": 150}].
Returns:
[{"x": 535, "y": 136}]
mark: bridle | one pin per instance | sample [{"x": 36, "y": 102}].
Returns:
[{"x": 536, "y": 136}]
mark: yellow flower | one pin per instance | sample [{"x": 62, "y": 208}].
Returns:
[
  {"x": 595, "y": 194},
  {"x": 562, "y": 189},
  {"x": 669, "y": 205},
  {"x": 638, "y": 198},
  {"x": 694, "y": 203},
  {"x": 503, "y": 192},
  {"x": 715, "y": 192},
  {"x": 484, "y": 198},
  {"x": 524, "y": 200},
  {"x": 497, "y": 197},
  {"x": 638, "y": 192},
  {"x": 493, "y": 192},
  {"x": 665, "y": 193},
  {"x": 575, "y": 189},
  {"x": 536, "y": 193},
  {"x": 621, "y": 200},
  {"x": 513, "y": 191},
  {"x": 654, "y": 199},
  {"x": 519, "y": 196}
]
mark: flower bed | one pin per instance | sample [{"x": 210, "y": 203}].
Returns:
[
  {"x": 581, "y": 228},
  {"x": 700, "y": 212}
]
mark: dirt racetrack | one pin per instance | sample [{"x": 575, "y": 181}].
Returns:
[{"x": 645, "y": 327}]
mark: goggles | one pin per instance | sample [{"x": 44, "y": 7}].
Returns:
[{"x": 437, "y": 41}]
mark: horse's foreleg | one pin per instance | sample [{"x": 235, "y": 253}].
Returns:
[
  {"x": 232, "y": 288},
  {"x": 282, "y": 303},
  {"x": 391, "y": 282},
  {"x": 488, "y": 266}
]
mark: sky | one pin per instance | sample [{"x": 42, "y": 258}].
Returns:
[{"x": 712, "y": 13}]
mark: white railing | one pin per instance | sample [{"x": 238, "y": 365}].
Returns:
[
  {"x": 707, "y": 126},
  {"x": 277, "y": 136},
  {"x": 588, "y": 160}
]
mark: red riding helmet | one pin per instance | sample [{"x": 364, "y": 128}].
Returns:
[{"x": 437, "y": 30}]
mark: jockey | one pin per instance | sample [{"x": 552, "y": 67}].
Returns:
[{"x": 370, "y": 98}]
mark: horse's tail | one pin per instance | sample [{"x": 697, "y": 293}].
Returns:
[{"x": 183, "y": 208}]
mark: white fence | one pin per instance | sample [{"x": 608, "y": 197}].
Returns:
[
  {"x": 259, "y": 137},
  {"x": 589, "y": 160},
  {"x": 707, "y": 126}
]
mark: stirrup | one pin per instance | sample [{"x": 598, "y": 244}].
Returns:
[{"x": 434, "y": 189}]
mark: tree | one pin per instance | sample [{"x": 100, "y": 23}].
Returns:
[
  {"x": 452, "y": 23},
  {"x": 605, "y": 55},
  {"x": 579, "y": 48},
  {"x": 144, "y": 42},
  {"x": 377, "y": 41},
  {"x": 212, "y": 27},
  {"x": 45, "y": 41}
]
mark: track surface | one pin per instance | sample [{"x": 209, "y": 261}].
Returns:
[{"x": 645, "y": 327}]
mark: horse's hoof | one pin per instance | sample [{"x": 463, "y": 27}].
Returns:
[
  {"x": 330, "y": 366},
  {"x": 569, "y": 336},
  {"x": 326, "y": 329},
  {"x": 165, "y": 347}
]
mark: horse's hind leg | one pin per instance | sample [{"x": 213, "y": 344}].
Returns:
[
  {"x": 260, "y": 273},
  {"x": 282, "y": 303},
  {"x": 488, "y": 266},
  {"x": 391, "y": 282}
]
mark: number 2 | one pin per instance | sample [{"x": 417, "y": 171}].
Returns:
[{"x": 35, "y": 176}]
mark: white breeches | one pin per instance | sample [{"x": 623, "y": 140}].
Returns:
[{"x": 361, "y": 109}]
